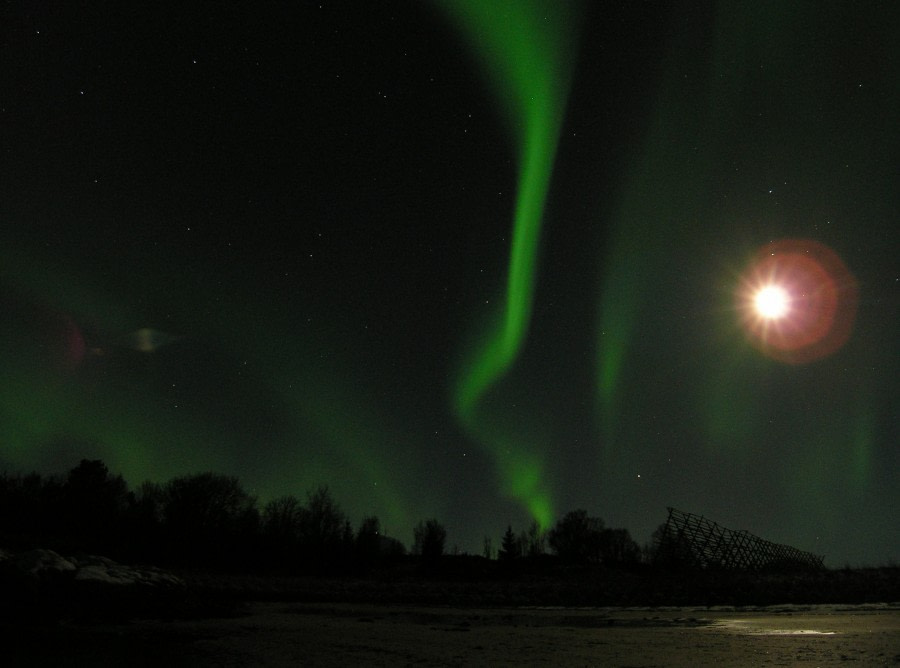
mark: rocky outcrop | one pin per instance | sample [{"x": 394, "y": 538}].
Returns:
[
  {"x": 42, "y": 583},
  {"x": 103, "y": 571}
]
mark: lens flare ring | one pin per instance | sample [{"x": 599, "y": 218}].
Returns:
[{"x": 797, "y": 301}]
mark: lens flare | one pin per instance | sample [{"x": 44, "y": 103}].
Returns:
[{"x": 797, "y": 301}]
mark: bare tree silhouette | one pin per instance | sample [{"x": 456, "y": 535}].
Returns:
[
  {"x": 429, "y": 538},
  {"x": 577, "y": 538},
  {"x": 326, "y": 538},
  {"x": 207, "y": 516}
]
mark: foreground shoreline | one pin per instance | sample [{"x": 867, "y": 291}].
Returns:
[
  {"x": 590, "y": 587},
  {"x": 281, "y": 633},
  {"x": 88, "y": 611}
]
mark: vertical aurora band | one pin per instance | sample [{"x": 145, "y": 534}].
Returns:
[
  {"x": 525, "y": 48},
  {"x": 695, "y": 132}
]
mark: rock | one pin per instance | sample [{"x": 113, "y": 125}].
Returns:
[
  {"x": 105, "y": 571},
  {"x": 43, "y": 564},
  {"x": 42, "y": 584},
  {"x": 103, "y": 575}
]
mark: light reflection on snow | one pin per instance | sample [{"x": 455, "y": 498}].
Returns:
[{"x": 758, "y": 627}]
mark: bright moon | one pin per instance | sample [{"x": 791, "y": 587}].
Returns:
[
  {"x": 771, "y": 302},
  {"x": 796, "y": 300}
]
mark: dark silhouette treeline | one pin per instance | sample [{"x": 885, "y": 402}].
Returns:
[
  {"x": 208, "y": 521},
  {"x": 576, "y": 540},
  {"x": 218, "y": 539},
  {"x": 203, "y": 520}
]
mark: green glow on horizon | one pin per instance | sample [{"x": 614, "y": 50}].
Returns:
[
  {"x": 525, "y": 48},
  {"x": 355, "y": 435},
  {"x": 327, "y": 432},
  {"x": 110, "y": 424}
]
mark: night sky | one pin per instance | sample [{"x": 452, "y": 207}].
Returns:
[{"x": 481, "y": 261}]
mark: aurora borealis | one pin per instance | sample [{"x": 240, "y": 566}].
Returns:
[
  {"x": 481, "y": 261},
  {"x": 526, "y": 45}
]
